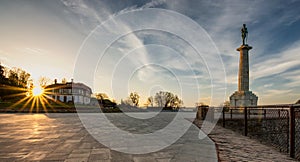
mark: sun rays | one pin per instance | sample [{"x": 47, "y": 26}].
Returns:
[{"x": 33, "y": 100}]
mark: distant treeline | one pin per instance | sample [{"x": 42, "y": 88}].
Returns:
[{"x": 14, "y": 83}]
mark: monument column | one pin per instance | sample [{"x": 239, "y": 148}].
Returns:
[
  {"x": 243, "y": 97},
  {"x": 243, "y": 82}
]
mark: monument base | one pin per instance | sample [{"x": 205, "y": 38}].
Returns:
[{"x": 243, "y": 98}]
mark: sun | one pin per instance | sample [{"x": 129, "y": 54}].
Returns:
[
  {"x": 35, "y": 97},
  {"x": 37, "y": 91}
]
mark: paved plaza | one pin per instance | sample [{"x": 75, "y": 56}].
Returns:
[{"x": 63, "y": 137}]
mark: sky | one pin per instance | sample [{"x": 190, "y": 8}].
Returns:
[{"x": 195, "y": 57}]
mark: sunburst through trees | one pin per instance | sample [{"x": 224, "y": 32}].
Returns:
[
  {"x": 21, "y": 95},
  {"x": 36, "y": 100}
]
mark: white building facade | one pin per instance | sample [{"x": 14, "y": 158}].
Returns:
[{"x": 69, "y": 92}]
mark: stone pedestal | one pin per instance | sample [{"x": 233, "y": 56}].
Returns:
[{"x": 243, "y": 98}]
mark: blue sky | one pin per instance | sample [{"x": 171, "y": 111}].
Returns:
[{"x": 44, "y": 37}]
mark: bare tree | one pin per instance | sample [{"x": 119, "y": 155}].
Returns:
[
  {"x": 23, "y": 78},
  {"x": 6, "y": 72},
  {"x": 101, "y": 96},
  {"x": 167, "y": 100},
  {"x": 134, "y": 96},
  {"x": 13, "y": 78},
  {"x": 1, "y": 72},
  {"x": 150, "y": 101},
  {"x": 18, "y": 77},
  {"x": 226, "y": 104},
  {"x": 44, "y": 81},
  {"x": 64, "y": 81}
]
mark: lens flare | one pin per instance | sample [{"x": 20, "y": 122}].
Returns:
[{"x": 35, "y": 99}]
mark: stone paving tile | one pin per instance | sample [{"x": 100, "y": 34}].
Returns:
[
  {"x": 86, "y": 145},
  {"x": 101, "y": 156},
  {"x": 236, "y": 147},
  {"x": 79, "y": 155},
  {"x": 143, "y": 159},
  {"x": 57, "y": 156},
  {"x": 164, "y": 160},
  {"x": 118, "y": 156},
  {"x": 8, "y": 159},
  {"x": 80, "y": 159},
  {"x": 35, "y": 155},
  {"x": 62, "y": 137}
]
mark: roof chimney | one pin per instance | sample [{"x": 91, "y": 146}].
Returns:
[{"x": 55, "y": 81}]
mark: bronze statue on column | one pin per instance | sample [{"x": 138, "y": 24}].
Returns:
[{"x": 244, "y": 32}]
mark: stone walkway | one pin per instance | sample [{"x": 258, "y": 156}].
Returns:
[
  {"x": 232, "y": 146},
  {"x": 62, "y": 137}
]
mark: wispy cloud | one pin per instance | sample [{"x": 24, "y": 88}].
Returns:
[
  {"x": 87, "y": 15},
  {"x": 151, "y": 4},
  {"x": 278, "y": 63},
  {"x": 33, "y": 51},
  {"x": 272, "y": 29},
  {"x": 276, "y": 92},
  {"x": 293, "y": 78},
  {"x": 268, "y": 85},
  {"x": 222, "y": 21}
]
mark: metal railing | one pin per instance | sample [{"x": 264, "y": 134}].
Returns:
[
  {"x": 276, "y": 125},
  {"x": 297, "y": 133}
]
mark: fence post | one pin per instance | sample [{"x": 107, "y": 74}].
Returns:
[
  {"x": 199, "y": 113},
  {"x": 223, "y": 113},
  {"x": 292, "y": 132},
  {"x": 288, "y": 132},
  {"x": 245, "y": 121},
  {"x": 203, "y": 113}
]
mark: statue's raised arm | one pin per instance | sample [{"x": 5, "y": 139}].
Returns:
[{"x": 244, "y": 32}]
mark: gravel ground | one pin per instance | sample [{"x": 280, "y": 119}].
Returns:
[{"x": 232, "y": 146}]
